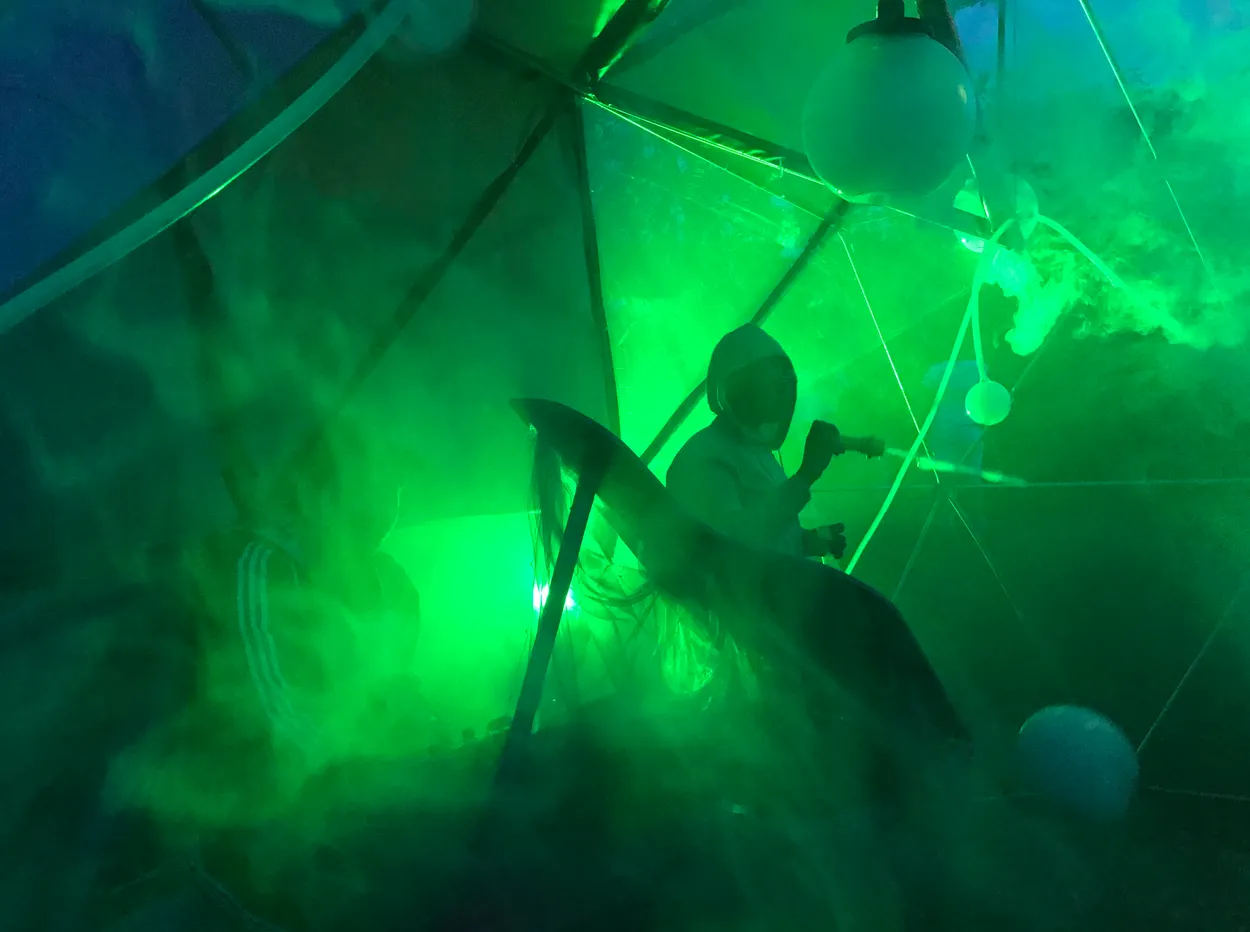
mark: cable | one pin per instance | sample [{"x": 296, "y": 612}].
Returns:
[
  {"x": 978, "y": 351},
  {"x": 1082, "y": 249},
  {"x": 209, "y": 184},
  {"x": 974, "y": 301}
]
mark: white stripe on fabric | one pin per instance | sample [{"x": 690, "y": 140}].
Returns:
[
  {"x": 263, "y": 646},
  {"x": 259, "y": 646},
  {"x": 243, "y": 577},
  {"x": 294, "y": 724}
]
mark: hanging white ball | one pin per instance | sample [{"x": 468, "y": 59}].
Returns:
[
  {"x": 891, "y": 115},
  {"x": 988, "y": 403}
]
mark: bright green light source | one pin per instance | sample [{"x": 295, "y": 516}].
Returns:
[{"x": 540, "y": 598}]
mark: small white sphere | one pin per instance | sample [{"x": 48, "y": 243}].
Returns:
[{"x": 988, "y": 403}]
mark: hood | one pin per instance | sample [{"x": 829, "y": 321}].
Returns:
[
  {"x": 751, "y": 381},
  {"x": 737, "y": 350}
]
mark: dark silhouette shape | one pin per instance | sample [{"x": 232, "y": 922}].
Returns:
[{"x": 789, "y": 609}]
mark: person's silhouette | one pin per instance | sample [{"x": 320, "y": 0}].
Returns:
[{"x": 728, "y": 474}]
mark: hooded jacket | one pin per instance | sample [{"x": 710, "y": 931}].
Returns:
[{"x": 730, "y": 482}]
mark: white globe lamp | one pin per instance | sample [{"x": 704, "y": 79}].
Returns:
[{"x": 892, "y": 115}]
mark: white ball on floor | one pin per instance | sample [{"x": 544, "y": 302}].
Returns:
[
  {"x": 1079, "y": 761},
  {"x": 433, "y": 27}
]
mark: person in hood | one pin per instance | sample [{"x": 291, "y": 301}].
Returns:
[{"x": 728, "y": 474}]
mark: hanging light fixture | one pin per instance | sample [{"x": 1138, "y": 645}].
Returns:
[{"x": 893, "y": 114}]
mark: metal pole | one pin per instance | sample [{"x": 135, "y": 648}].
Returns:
[
  {"x": 594, "y": 267},
  {"x": 549, "y": 619}
]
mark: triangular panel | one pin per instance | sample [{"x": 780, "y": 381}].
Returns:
[
  {"x": 110, "y": 451},
  {"x": 1201, "y": 739},
  {"x": 316, "y": 249},
  {"x": 830, "y": 327},
  {"x": 512, "y": 318},
  {"x": 1123, "y": 409},
  {"x": 1123, "y": 584},
  {"x": 749, "y": 68},
  {"x": 994, "y": 662},
  {"x": 689, "y": 252}
]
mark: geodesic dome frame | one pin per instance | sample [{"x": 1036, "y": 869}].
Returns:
[{"x": 1059, "y": 646}]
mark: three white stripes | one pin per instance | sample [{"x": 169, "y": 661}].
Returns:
[{"x": 260, "y": 649}]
